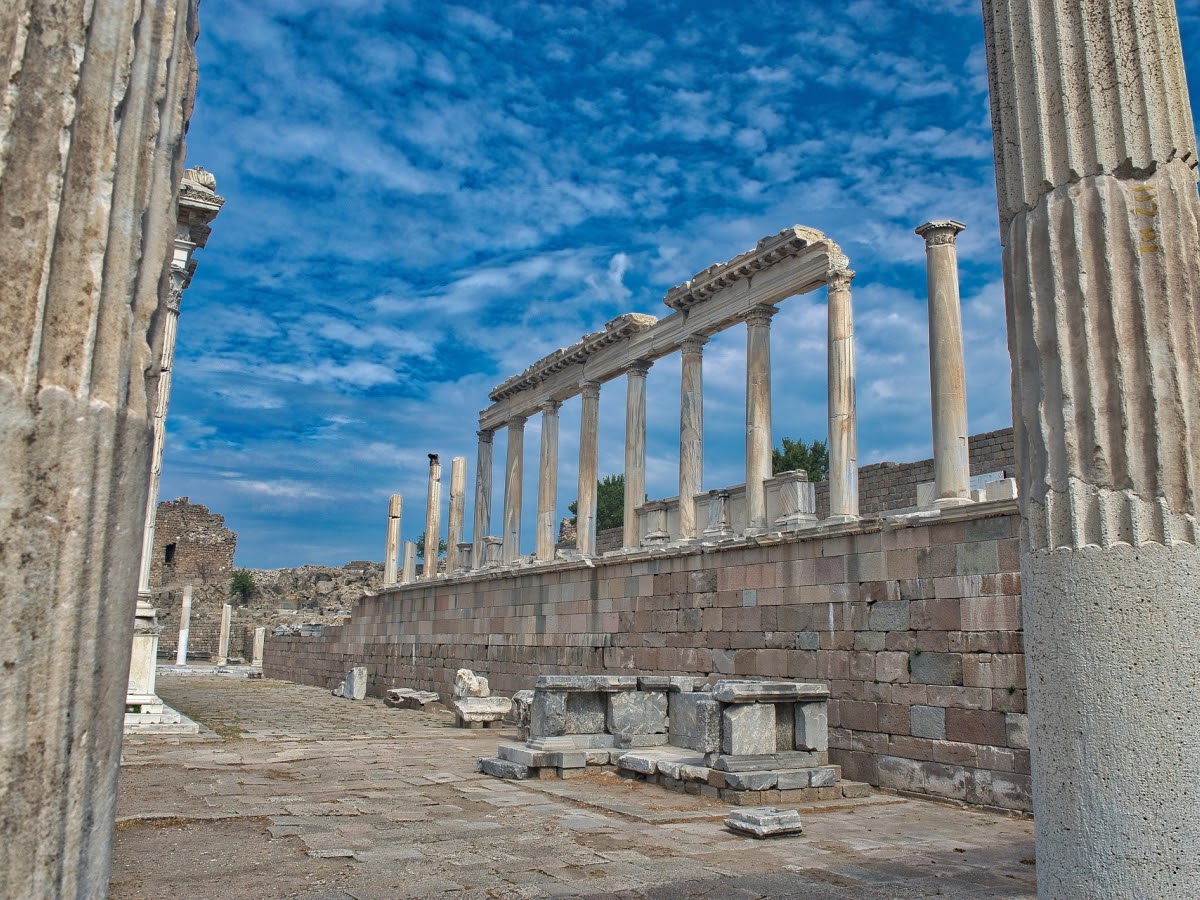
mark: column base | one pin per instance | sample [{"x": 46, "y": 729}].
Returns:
[
  {"x": 839, "y": 520},
  {"x": 948, "y": 502},
  {"x": 796, "y": 522}
]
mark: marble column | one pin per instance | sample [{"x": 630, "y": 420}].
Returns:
[
  {"x": 185, "y": 621},
  {"x": 947, "y": 373},
  {"x": 514, "y": 475},
  {"x": 395, "y": 506},
  {"x": 635, "y": 450},
  {"x": 409, "y": 572},
  {"x": 483, "y": 496},
  {"x": 548, "y": 481},
  {"x": 843, "y": 418},
  {"x": 260, "y": 642},
  {"x": 433, "y": 517},
  {"x": 589, "y": 468},
  {"x": 454, "y": 531},
  {"x": 223, "y": 640},
  {"x": 691, "y": 433},
  {"x": 1095, "y": 172},
  {"x": 758, "y": 415}
]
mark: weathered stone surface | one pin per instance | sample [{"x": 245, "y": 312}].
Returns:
[
  {"x": 766, "y": 691},
  {"x": 765, "y": 821},
  {"x": 481, "y": 709},
  {"x": 751, "y": 781},
  {"x": 637, "y": 713},
  {"x": 522, "y": 710},
  {"x": 927, "y": 722},
  {"x": 518, "y": 753},
  {"x": 407, "y": 698},
  {"x": 785, "y": 727},
  {"x": 468, "y": 684},
  {"x": 587, "y": 683},
  {"x": 503, "y": 768},
  {"x": 586, "y": 713},
  {"x": 548, "y": 714},
  {"x": 571, "y": 742},
  {"x": 762, "y": 762},
  {"x": 812, "y": 726},
  {"x": 675, "y": 683},
  {"x": 936, "y": 668},
  {"x": 695, "y": 722},
  {"x": 748, "y": 728},
  {"x": 640, "y": 740},
  {"x": 355, "y": 685}
]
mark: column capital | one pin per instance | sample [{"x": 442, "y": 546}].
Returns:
[
  {"x": 517, "y": 422},
  {"x": 693, "y": 344},
  {"x": 640, "y": 367},
  {"x": 940, "y": 231},
  {"x": 760, "y": 315},
  {"x": 485, "y": 437},
  {"x": 590, "y": 389},
  {"x": 839, "y": 279},
  {"x": 550, "y": 407}
]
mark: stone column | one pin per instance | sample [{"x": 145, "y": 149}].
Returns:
[
  {"x": 483, "y": 496},
  {"x": 589, "y": 468},
  {"x": 691, "y": 433},
  {"x": 433, "y": 517},
  {"x": 1099, "y": 218},
  {"x": 635, "y": 450},
  {"x": 409, "y": 573},
  {"x": 548, "y": 481},
  {"x": 260, "y": 642},
  {"x": 513, "y": 480},
  {"x": 843, "y": 418},
  {"x": 395, "y": 506},
  {"x": 223, "y": 640},
  {"x": 947, "y": 373},
  {"x": 454, "y": 531},
  {"x": 758, "y": 415},
  {"x": 185, "y": 620}
]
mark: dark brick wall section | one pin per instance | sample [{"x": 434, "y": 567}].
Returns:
[{"x": 191, "y": 544}]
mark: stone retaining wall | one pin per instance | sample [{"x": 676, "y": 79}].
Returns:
[{"x": 915, "y": 626}]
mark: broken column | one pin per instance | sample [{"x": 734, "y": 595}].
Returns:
[
  {"x": 454, "y": 531},
  {"x": 409, "y": 573},
  {"x": 483, "y": 496},
  {"x": 547, "y": 498},
  {"x": 514, "y": 477},
  {"x": 433, "y": 513},
  {"x": 223, "y": 640},
  {"x": 691, "y": 433},
  {"x": 758, "y": 415},
  {"x": 185, "y": 619},
  {"x": 395, "y": 505},
  {"x": 1095, "y": 154},
  {"x": 843, "y": 421},
  {"x": 635, "y": 450},
  {"x": 589, "y": 436},
  {"x": 947, "y": 373}
]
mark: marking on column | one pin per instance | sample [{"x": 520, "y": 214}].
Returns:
[{"x": 1144, "y": 198}]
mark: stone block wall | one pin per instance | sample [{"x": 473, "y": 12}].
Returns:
[
  {"x": 915, "y": 626},
  {"x": 191, "y": 544}
]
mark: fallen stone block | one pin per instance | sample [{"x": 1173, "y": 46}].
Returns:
[
  {"x": 407, "y": 698},
  {"x": 764, "y": 821},
  {"x": 468, "y": 684},
  {"x": 855, "y": 790},
  {"x": 481, "y": 710},
  {"x": 503, "y": 768},
  {"x": 522, "y": 702},
  {"x": 355, "y": 685}
]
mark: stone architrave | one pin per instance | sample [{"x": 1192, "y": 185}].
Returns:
[
  {"x": 483, "y": 496},
  {"x": 547, "y": 498},
  {"x": 947, "y": 371},
  {"x": 589, "y": 437},
  {"x": 433, "y": 515},
  {"x": 223, "y": 640},
  {"x": 635, "y": 450},
  {"x": 185, "y": 619},
  {"x": 454, "y": 529},
  {"x": 514, "y": 478},
  {"x": 758, "y": 416},
  {"x": 260, "y": 643},
  {"x": 691, "y": 433},
  {"x": 843, "y": 417},
  {"x": 1095, "y": 171},
  {"x": 409, "y": 573},
  {"x": 395, "y": 506}
]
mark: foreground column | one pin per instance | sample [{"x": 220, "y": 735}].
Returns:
[
  {"x": 691, "y": 433},
  {"x": 91, "y": 147},
  {"x": 947, "y": 373},
  {"x": 483, "y": 496},
  {"x": 1100, "y": 223},
  {"x": 843, "y": 418},
  {"x": 513, "y": 480},
  {"x": 758, "y": 415},
  {"x": 458, "y": 486},
  {"x": 433, "y": 517},
  {"x": 635, "y": 450},
  {"x": 395, "y": 506},
  {"x": 185, "y": 621},
  {"x": 589, "y": 448},
  {"x": 548, "y": 481}
]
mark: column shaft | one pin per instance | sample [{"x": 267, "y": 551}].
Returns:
[
  {"x": 548, "y": 481},
  {"x": 185, "y": 621},
  {"x": 758, "y": 415},
  {"x": 433, "y": 517},
  {"x": 223, "y": 640},
  {"x": 409, "y": 572},
  {"x": 635, "y": 450},
  {"x": 483, "y": 497},
  {"x": 395, "y": 505},
  {"x": 589, "y": 436},
  {"x": 691, "y": 434},
  {"x": 454, "y": 531},
  {"x": 1095, "y": 149},
  {"x": 843, "y": 418},
  {"x": 514, "y": 477}
]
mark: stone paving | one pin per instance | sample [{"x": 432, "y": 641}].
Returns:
[{"x": 291, "y": 792}]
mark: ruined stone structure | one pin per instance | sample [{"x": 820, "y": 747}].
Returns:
[{"x": 191, "y": 545}]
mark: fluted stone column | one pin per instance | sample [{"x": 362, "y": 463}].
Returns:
[
  {"x": 691, "y": 433},
  {"x": 260, "y": 642},
  {"x": 843, "y": 417},
  {"x": 758, "y": 415},
  {"x": 947, "y": 372},
  {"x": 409, "y": 572},
  {"x": 433, "y": 517},
  {"x": 223, "y": 640},
  {"x": 1095, "y": 156},
  {"x": 547, "y": 481},
  {"x": 514, "y": 476},
  {"x": 635, "y": 450},
  {"x": 395, "y": 506},
  {"x": 185, "y": 622},
  {"x": 589, "y": 449},
  {"x": 483, "y": 497},
  {"x": 454, "y": 531}
]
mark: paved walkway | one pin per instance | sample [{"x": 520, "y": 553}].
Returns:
[{"x": 294, "y": 793}]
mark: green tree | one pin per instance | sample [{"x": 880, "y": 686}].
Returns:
[
  {"x": 420, "y": 542},
  {"x": 242, "y": 585},
  {"x": 610, "y": 502},
  {"x": 812, "y": 458}
]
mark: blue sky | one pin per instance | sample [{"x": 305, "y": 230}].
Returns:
[{"x": 423, "y": 198}]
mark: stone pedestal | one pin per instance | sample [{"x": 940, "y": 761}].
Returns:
[
  {"x": 654, "y": 514},
  {"x": 691, "y": 433},
  {"x": 635, "y": 450},
  {"x": 465, "y": 550},
  {"x": 718, "y": 515},
  {"x": 758, "y": 415},
  {"x": 797, "y": 501},
  {"x": 589, "y": 435},
  {"x": 492, "y": 546},
  {"x": 395, "y": 505}
]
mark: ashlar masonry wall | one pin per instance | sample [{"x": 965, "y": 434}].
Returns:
[{"x": 913, "y": 623}]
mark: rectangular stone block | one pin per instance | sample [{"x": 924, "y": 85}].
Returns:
[
  {"x": 355, "y": 687},
  {"x": 889, "y": 615},
  {"x": 548, "y": 714},
  {"x": 502, "y": 768},
  {"x": 747, "y": 729},
  {"x": 976, "y": 726},
  {"x": 785, "y": 727},
  {"x": 761, "y": 763},
  {"x": 812, "y": 726},
  {"x": 695, "y": 722},
  {"x": 751, "y": 781},
  {"x": 936, "y": 668},
  {"x": 1016, "y": 727},
  {"x": 637, "y": 713},
  {"x": 731, "y": 691},
  {"x": 927, "y": 722},
  {"x": 586, "y": 713}
]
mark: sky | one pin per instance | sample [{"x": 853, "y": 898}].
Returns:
[{"x": 424, "y": 198}]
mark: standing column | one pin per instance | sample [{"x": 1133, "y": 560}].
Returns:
[
  {"x": 843, "y": 418},
  {"x": 513, "y": 479},
  {"x": 589, "y": 468},
  {"x": 691, "y": 433},
  {"x": 947, "y": 374},
  {"x": 433, "y": 517},
  {"x": 1100, "y": 222},
  {"x": 483, "y": 496},
  {"x": 635, "y": 450},
  {"x": 395, "y": 505},
  {"x": 548, "y": 481},
  {"x": 185, "y": 621},
  {"x": 223, "y": 640},
  {"x": 758, "y": 415},
  {"x": 458, "y": 487},
  {"x": 409, "y": 572}
]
